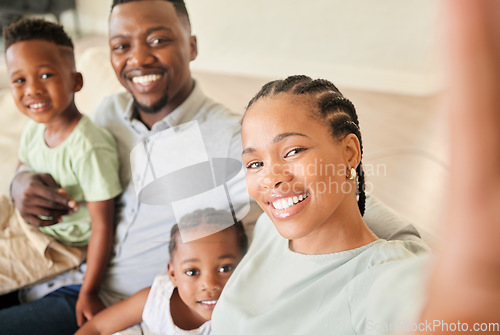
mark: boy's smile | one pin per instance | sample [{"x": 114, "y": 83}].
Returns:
[{"x": 42, "y": 80}]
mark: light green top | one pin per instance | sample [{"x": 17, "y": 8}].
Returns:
[
  {"x": 277, "y": 291},
  {"x": 86, "y": 165}
]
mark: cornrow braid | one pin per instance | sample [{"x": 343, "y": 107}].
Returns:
[{"x": 333, "y": 108}]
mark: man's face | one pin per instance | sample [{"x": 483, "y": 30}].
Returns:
[{"x": 151, "y": 48}]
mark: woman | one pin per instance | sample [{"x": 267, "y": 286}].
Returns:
[{"x": 311, "y": 272}]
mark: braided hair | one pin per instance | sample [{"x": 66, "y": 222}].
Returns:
[{"x": 333, "y": 109}]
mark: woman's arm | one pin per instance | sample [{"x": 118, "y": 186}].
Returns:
[
  {"x": 120, "y": 316},
  {"x": 465, "y": 285},
  {"x": 98, "y": 254}
]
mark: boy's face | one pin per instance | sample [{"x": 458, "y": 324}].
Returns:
[
  {"x": 200, "y": 269},
  {"x": 42, "y": 79},
  {"x": 151, "y": 48}
]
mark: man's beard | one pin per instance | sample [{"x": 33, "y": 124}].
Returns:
[{"x": 155, "y": 108}]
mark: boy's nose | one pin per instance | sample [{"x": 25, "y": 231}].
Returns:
[{"x": 34, "y": 88}]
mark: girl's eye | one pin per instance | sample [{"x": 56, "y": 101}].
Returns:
[
  {"x": 191, "y": 272},
  {"x": 255, "y": 165},
  {"x": 46, "y": 75},
  {"x": 294, "y": 152},
  {"x": 227, "y": 268}
]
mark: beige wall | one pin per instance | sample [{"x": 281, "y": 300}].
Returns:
[{"x": 383, "y": 45}]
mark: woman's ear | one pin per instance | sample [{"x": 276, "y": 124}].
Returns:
[
  {"x": 352, "y": 150},
  {"x": 77, "y": 82},
  {"x": 171, "y": 274}
]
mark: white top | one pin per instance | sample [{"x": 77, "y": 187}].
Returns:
[
  {"x": 157, "y": 318},
  {"x": 277, "y": 291}
]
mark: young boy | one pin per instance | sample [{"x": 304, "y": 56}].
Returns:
[{"x": 81, "y": 157}]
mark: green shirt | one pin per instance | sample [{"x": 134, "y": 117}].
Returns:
[{"x": 86, "y": 165}]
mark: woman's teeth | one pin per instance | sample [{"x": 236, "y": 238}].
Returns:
[
  {"x": 288, "y": 202},
  {"x": 149, "y": 78}
]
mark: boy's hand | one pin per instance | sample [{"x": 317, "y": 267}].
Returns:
[
  {"x": 87, "y": 305},
  {"x": 40, "y": 201}
]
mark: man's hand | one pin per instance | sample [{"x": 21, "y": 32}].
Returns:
[
  {"x": 87, "y": 305},
  {"x": 40, "y": 201}
]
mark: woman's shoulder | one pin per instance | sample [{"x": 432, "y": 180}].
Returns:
[{"x": 390, "y": 251}]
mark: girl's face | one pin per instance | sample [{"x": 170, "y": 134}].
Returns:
[
  {"x": 296, "y": 170},
  {"x": 200, "y": 269}
]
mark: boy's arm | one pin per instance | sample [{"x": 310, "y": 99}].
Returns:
[
  {"x": 98, "y": 254},
  {"x": 120, "y": 316}
]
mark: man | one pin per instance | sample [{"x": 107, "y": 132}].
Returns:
[{"x": 151, "y": 49}]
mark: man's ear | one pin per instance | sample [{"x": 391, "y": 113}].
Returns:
[
  {"x": 171, "y": 274},
  {"x": 352, "y": 150},
  {"x": 77, "y": 82},
  {"x": 193, "y": 45}
]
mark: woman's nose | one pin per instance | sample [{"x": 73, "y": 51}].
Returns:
[{"x": 275, "y": 175}]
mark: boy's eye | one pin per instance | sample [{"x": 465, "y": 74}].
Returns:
[
  {"x": 191, "y": 272},
  {"x": 294, "y": 152},
  {"x": 18, "y": 80},
  {"x": 46, "y": 75},
  {"x": 255, "y": 165},
  {"x": 227, "y": 268}
]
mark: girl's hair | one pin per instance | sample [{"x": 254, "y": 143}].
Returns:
[
  {"x": 208, "y": 216},
  {"x": 332, "y": 108}
]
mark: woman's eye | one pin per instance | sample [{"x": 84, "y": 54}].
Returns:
[
  {"x": 191, "y": 272},
  {"x": 294, "y": 152},
  {"x": 255, "y": 165},
  {"x": 227, "y": 268}
]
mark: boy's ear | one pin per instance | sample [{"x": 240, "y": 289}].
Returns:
[
  {"x": 171, "y": 274},
  {"x": 77, "y": 82},
  {"x": 352, "y": 150}
]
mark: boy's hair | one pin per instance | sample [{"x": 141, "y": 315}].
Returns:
[
  {"x": 208, "y": 216},
  {"x": 35, "y": 29},
  {"x": 337, "y": 112},
  {"x": 180, "y": 7}
]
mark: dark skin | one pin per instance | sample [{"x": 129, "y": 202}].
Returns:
[
  {"x": 36, "y": 194},
  {"x": 43, "y": 81},
  {"x": 149, "y": 41}
]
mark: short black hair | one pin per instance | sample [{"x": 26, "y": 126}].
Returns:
[
  {"x": 209, "y": 216},
  {"x": 36, "y": 29},
  {"x": 180, "y": 7}
]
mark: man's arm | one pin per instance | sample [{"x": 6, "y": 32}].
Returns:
[
  {"x": 98, "y": 254},
  {"x": 40, "y": 201}
]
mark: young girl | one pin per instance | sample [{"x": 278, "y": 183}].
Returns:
[
  {"x": 182, "y": 301},
  {"x": 311, "y": 272}
]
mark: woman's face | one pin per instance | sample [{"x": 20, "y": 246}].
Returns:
[{"x": 296, "y": 170}]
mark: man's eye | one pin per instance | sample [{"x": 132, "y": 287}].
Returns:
[
  {"x": 191, "y": 272},
  {"x": 227, "y": 268},
  {"x": 120, "y": 47},
  {"x": 294, "y": 152},
  {"x": 255, "y": 165},
  {"x": 158, "y": 41}
]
